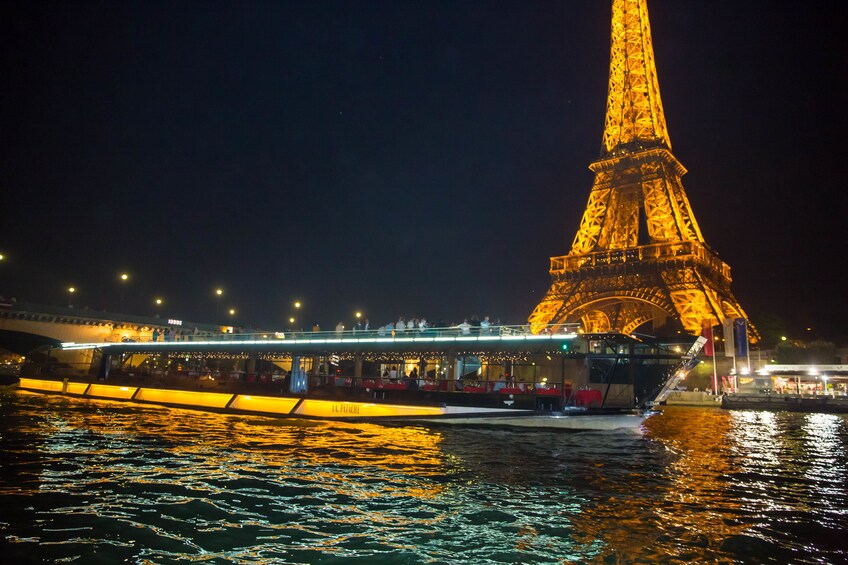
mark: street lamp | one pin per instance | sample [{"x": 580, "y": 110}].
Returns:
[
  {"x": 71, "y": 291},
  {"x": 232, "y": 311},
  {"x": 158, "y": 303},
  {"x": 124, "y": 278},
  {"x": 218, "y": 293}
]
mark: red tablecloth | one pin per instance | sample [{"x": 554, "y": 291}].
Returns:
[
  {"x": 547, "y": 391},
  {"x": 474, "y": 389},
  {"x": 430, "y": 387},
  {"x": 511, "y": 390},
  {"x": 395, "y": 386},
  {"x": 588, "y": 398}
]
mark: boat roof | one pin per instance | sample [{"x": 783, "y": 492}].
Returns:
[{"x": 430, "y": 342}]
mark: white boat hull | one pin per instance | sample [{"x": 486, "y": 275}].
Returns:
[{"x": 599, "y": 422}]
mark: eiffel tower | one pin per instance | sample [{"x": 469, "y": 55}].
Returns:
[{"x": 612, "y": 279}]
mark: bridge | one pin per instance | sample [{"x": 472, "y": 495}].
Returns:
[{"x": 26, "y": 328}]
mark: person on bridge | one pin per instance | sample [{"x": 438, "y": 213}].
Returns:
[{"x": 156, "y": 334}]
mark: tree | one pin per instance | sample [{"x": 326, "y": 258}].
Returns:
[
  {"x": 818, "y": 352},
  {"x": 772, "y": 328}
]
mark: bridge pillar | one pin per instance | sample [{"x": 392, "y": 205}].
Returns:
[{"x": 357, "y": 366}]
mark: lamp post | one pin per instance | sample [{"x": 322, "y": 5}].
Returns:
[
  {"x": 218, "y": 293},
  {"x": 71, "y": 291},
  {"x": 124, "y": 278},
  {"x": 297, "y": 305},
  {"x": 158, "y": 303}
]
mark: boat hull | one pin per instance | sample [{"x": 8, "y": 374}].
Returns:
[
  {"x": 339, "y": 409},
  {"x": 574, "y": 422}
]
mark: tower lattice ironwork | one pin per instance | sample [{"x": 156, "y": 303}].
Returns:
[{"x": 612, "y": 279}]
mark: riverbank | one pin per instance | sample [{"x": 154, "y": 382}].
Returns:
[
  {"x": 787, "y": 402},
  {"x": 693, "y": 398}
]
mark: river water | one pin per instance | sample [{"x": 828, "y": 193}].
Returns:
[{"x": 91, "y": 481}]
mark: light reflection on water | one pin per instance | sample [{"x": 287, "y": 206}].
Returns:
[{"x": 100, "y": 481}]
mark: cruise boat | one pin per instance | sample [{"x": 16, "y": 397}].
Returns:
[{"x": 504, "y": 376}]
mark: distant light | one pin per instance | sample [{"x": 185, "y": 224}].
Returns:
[
  {"x": 158, "y": 301},
  {"x": 783, "y": 338},
  {"x": 219, "y": 292},
  {"x": 297, "y": 304},
  {"x": 232, "y": 311},
  {"x": 124, "y": 276},
  {"x": 359, "y": 314},
  {"x": 291, "y": 320},
  {"x": 72, "y": 290}
]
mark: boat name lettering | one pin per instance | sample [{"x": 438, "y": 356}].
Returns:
[{"x": 345, "y": 408}]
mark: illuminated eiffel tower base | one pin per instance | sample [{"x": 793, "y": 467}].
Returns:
[{"x": 613, "y": 279}]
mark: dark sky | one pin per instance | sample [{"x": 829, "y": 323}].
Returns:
[{"x": 396, "y": 157}]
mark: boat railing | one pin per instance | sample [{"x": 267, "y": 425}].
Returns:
[{"x": 355, "y": 334}]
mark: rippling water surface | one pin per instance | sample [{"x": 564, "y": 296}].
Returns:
[{"x": 89, "y": 481}]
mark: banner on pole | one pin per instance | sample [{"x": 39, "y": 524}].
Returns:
[
  {"x": 740, "y": 326},
  {"x": 707, "y": 333},
  {"x": 727, "y": 325}
]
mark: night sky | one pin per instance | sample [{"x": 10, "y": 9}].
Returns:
[{"x": 399, "y": 158}]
